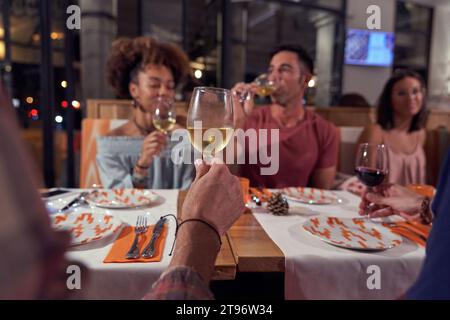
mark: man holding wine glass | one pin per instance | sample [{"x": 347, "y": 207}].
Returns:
[{"x": 308, "y": 144}]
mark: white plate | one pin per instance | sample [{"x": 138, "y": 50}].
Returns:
[
  {"x": 311, "y": 195},
  {"x": 122, "y": 198},
  {"x": 356, "y": 233},
  {"x": 85, "y": 226}
]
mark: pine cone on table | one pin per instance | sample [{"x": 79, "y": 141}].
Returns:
[{"x": 278, "y": 205}]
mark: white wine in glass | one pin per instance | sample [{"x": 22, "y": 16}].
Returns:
[
  {"x": 210, "y": 120},
  {"x": 265, "y": 87},
  {"x": 213, "y": 140},
  {"x": 164, "y": 116},
  {"x": 164, "y": 125}
]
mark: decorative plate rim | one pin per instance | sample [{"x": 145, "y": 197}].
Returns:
[
  {"x": 112, "y": 207},
  {"x": 336, "y": 199},
  {"x": 393, "y": 244},
  {"x": 116, "y": 225}
]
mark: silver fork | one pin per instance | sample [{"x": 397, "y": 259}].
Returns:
[{"x": 141, "y": 227}]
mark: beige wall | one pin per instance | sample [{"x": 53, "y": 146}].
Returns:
[
  {"x": 439, "y": 71},
  {"x": 96, "y": 35},
  {"x": 367, "y": 81}
]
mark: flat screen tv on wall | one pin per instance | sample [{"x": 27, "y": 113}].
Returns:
[{"x": 369, "y": 48}]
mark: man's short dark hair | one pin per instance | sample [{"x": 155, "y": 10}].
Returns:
[{"x": 302, "y": 54}]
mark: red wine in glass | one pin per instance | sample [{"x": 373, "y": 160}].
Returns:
[
  {"x": 371, "y": 164},
  {"x": 370, "y": 177}
]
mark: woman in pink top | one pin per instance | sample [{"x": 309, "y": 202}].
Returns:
[{"x": 400, "y": 126}]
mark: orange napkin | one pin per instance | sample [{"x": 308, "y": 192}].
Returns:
[
  {"x": 125, "y": 240},
  {"x": 414, "y": 231},
  {"x": 245, "y": 183},
  {"x": 422, "y": 189},
  {"x": 262, "y": 193}
]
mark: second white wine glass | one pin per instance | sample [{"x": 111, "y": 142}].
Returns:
[
  {"x": 164, "y": 116},
  {"x": 164, "y": 119}
]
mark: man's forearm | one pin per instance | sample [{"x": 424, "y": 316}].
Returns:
[{"x": 197, "y": 247}]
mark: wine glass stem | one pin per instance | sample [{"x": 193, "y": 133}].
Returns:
[
  {"x": 166, "y": 150},
  {"x": 207, "y": 157},
  {"x": 366, "y": 210}
]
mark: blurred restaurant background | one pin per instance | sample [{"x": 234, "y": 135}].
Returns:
[{"x": 56, "y": 76}]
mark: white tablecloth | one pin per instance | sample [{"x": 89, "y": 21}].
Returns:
[
  {"x": 317, "y": 270},
  {"x": 125, "y": 280}
]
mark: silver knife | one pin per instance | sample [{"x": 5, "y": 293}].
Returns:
[
  {"x": 79, "y": 198},
  {"x": 149, "y": 251}
]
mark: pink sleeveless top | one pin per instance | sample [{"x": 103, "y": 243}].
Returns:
[{"x": 406, "y": 168}]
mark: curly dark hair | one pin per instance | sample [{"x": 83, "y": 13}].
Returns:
[
  {"x": 131, "y": 55},
  {"x": 385, "y": 114}
]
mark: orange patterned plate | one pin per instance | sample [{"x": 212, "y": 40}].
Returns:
[
  {"x": 311, "y": 195},
  {"x": 85, "y": 226},
  {"x": 356, "y": 233},
  {"x": 122, "y": 198}
]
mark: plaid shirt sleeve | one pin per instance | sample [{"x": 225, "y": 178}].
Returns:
[{"x": 180, "y": 283}]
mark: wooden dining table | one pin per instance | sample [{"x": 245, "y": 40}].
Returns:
[{"x": 246, "y": 246}]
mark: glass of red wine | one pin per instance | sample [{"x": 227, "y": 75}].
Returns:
[{"x": 371, "y": 165}]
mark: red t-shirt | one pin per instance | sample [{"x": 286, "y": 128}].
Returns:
[{"x": 312, "y": 144}]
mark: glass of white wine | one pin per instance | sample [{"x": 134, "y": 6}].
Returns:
[
  {"x": 165, "y": 117},
  {"x": 265, "y": 87},
  {"x": 210, "y": 120}
]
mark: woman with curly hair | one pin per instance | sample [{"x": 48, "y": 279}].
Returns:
[{"x": 146, "y": 71}]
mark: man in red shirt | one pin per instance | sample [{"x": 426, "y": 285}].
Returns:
[{"x": 308, "y": 144}]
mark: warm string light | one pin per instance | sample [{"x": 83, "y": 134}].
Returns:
[
  {"x": 198, "y": 74},
  {"x": 76, "y": 104}
]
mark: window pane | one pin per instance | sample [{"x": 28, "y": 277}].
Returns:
[
  {"x": 317, "y": 31},
  {"x": 412, "y": 30}
]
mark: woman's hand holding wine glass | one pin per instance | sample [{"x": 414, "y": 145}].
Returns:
[
  {"x": 371, "y": 166},
  {"x": 152, "y": 146},
  {"x": 389, "y": 199}
]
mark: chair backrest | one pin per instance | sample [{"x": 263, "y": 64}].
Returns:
[
  {"x": 90, "y": 130},
  {"x": 109, "y": 109},
  {"x": 361, "y": 117},
  {"x": 436, "y": 148},
  {"x": 348, "y": 116},
  {"x": 347, "y": 149},
  {"x": 120, "y": 109}
]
